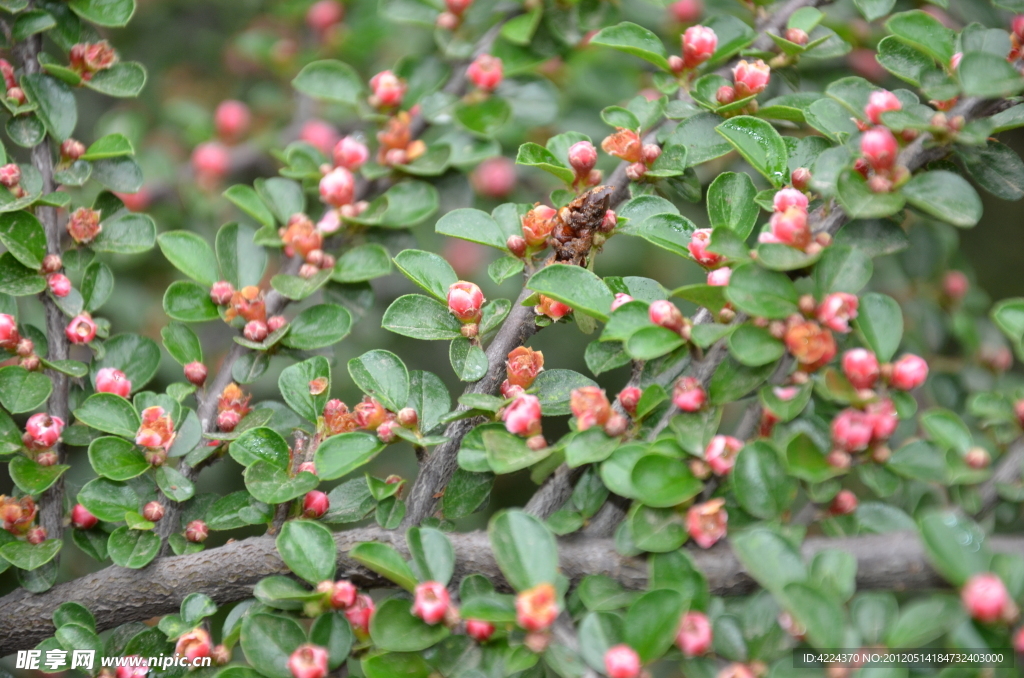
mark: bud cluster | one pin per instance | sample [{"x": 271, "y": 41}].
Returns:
[
  {"x": 627, "y": 145},
  {"x": 12, "y": 341},
  {"x": 451, "y": 18},
  {"x": 232, "y": 406},
  {"x": 788, "y": 224},
  {"x": 749, "y": 79},
  {"x": 591, "y": 408}
]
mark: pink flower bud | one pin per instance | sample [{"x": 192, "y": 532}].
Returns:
[
  {"x": 221, "y": 293},
  {"x": 751, "y": 78},
  {"x": 621, "y": 661},
  {"x": 879, "y": 148},
  {"x": 71, "y": 150},
  {"x": 699, "y": 248},
  {"x": 883, "y": 419},
  {"x": 486, "y": 72},
  {"x": 538, "y": 224},
  {"x": 111, "y": 380},
  {"x": 36, "y": 535},
  {"x": 797, "y": 36},
  {"x": 232, "y": 120},
  {"x": 407, "y": 417},
  {"x": 308, "y": 661},
  {"x": 695, "y": 635},
  {"x": 616, "y": 425},
  {"x": 211, "y": 160},
  {"x": 629, "y": 398},
  {"x": 686, "y": 11},
  {"x": 624, "y": 144},
  {"x": 197, "y": 532},
  {"x": 720, "y": 454},
  {"x": 228, "y": 420},
  {"x": 431, "y": 602},
  {"x": 82, "y": 518},
  {"x": 388, "y": 90},
  {"x": 139, "y": 671},
  {"x": 315, "y": 504},
  {"x": 665, "y": 314},
  {"x": 551, "y": 308},
  {"x": 676, "y": 64},
  {"x": 851, "y": 430},
  {"x": 861, "y": 367},
  {"x": 649, "y": 153},
  {"x": 582, "y": 157},
  {"x": 516, "y": 244},
  {"x": 59, "y": 284},
  {"x": 789, "y": 197},
  {"x": 688, "y": 394},
  {"x": 1018, "y": 641},
  {"x": 386, "y": 431},
  {"x": 9, "y": 336},
  {"x": 479, "y": 630},
  {"x": 636, "y": 171},
  {"x": 351, "y": 153},
  {"x": 465, "y": 300},
  {"x": 195, "y": 373},
  {"x": 706, "y": 523},
  {"x": 81, "y": 329},
  {"x": 522, "y": 417},
  {"x": 955, "y": 284},
  {"x": 537, "y": 608},
  {"x": 370, "y": 414},
  {"x": 837, "y": 310},
  {"x": 720, "y": 277},
  {"x": 725, "y": 95},
  {"x": 255, "y": 330},
  {"x": 977, "y": 458},
  {"x": 324, "y": 15},
  {"x": 879, "y": 102},
  {"x": 494, "y": 177},
  {"x": 986, "y": 599},
  {"x": 843, "y": 504},
  {"x": 360, "y": 614},
  {"x": 447, "y": 21},
  {"x": 307, "y": 467},
  {"x": 620, "y": 299},
  {"x": 338, "y": 187},
  {"x": 909, "y": 372},
  {"x": 590, "y": 406},
  {"x": 10, "y": 175},
  {"x": 43, "y": 431},
  {"x": 789, "y": 227},
  {"x": 51, "y": 264},
  {"x": 699, "y": 43},
  {"x": 153, "y": 511},
  {"x": 1017, "y": 27},
  {"x": 47, "y": 458},
  {"x": 320, "y": 135},
  {"x": 343, "y": 594},
  {"x": 84, "y": 225},
  {"x": 801, "y": 178}
]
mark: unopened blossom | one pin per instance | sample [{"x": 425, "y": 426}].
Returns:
[
  {"x": 720, "y": 277},
  {"x": 851, "y": 430},
  {"x": 812, "y": 345},
  {"x": 590, "y": 407},
  {"x": 42, "y": 431},
  {"x": 486, "y": 72},
  {"x": 837, "y": 310},
  {"x": 465, "y": 301},
  {"x": 494, "y": 177},
  {"x": 721, "y": 453},
  {"x": 789, "y": 197},
  {"x": 323, "y": 15},
  {"x": 582, "y": 158},
  {"x": 538, "y": 224},
  {"x": 750, "y": 77},
  {"x": 986, "y": 599},
  {"x": 695, "y": 635},
  {"x": 360, "y": 614},
  {"x": 479, "y": 630},
  {"x": 197, "y": 532},
  {"x": 211, "y": 161},
  {"x": 112, "y": 380},
  {"x": 338, "y": 187},
  {"x": 843, "y": 503},
  {"x": 315, "y": 504},
  {"x": 861, "y": 367},
  {"x": 320, "y": 135},
  {"x": 9, "y": 335},
  {"x": 431, "y": 602},
  {"x": 551, "y": 308},
  {"x": 370, "y": 413},
  {"x": 879, "y": 148},
  {"x": 664, "y": 313},
  {"x": 388, "y": 90},
  {"x": 522, "y": 417},
  {"x": 879, "y": 102},
  {"x": 883, "y": 419},
  {"x": 82, "y": 518},
  {"x": 698, "y": 45},
  {"x": 620, "y": 299},
  {"x": 909, "y": 372},
  {"x": 59, "y": 284},
  {"x": 688, "y": 394},
  {"x": 629, "y": 398},
  {"x": 698, "y": 247},
  {"x": 621, "y": 661},
  {"x": 232, "y": 119},
  {"x": 195, "y": 373},
  {"x": 308, "y": 661},
  {"x": 707, "y": 523},
  {"x": 194, "y": 645}
]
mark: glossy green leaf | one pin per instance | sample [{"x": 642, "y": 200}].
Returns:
[
  {"x": 308, "y": 549},
  {"x": 760, "y": 145}
]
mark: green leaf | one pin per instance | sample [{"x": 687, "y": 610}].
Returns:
[
  {"x": 474, "y": 225},
  {"x": 759, "y": 292},
  {"x": 294, "y": 386},
  {"x": 133, "y": 548},
  {"x": 109, "y": 413},
  {"x": 308, "y": 549},
  {"x": 731, "y": 203},
  {"x": 269, "y": 640},
  {"x": 97, "y": 285},
  {"x": 922, "y": 621},
  {"x": 588, "y": 447},
  {"x": 126, "y": 233},
  {"x": 874, "y": 9},
  {"x": 575, "y": 286},
  {"x": 138, "y": 357},
  {"x": 116, "y": 458},
  {"x": 925, "y": 32},
  {"x": 754, "y": 346},
  {"x": 73, "y": 613},
  {"x": 284, "y": 197},
  {"x": 429, "y": 271},
  {"x": 760, "y": 481},
  {"x": 760, "y": 145},
  {"x": 108, "y": 500},
  {"x": 246, "y": 199},
  {"x": 332, "y": 631},
  {"x": 57, "y": 107},
  {"x": 271, "y": 485},
  {"x": 28, "y": 556},
  {"x": 241, "y": 260},
  {"x": 18, "y": 280},
  {"x": 821, "y": 615},
  {"x": 318, "y": 327},
  {"x": 768, "y": 558},
  {"x": 110, "y": 146},
  {"x": 955, "y": 545},
  {"x": 113, "y": 13},
  {"x": 670, "y": 232},
  {"x": 386, "y": 561},
  {"x": 32, "y": 477},
  {"x": 182, "y": 343},
  {"x": 32, "y": 22},
  {"x": 23, "y": 236},
  {"x": 664, "y": 481},
  {"x": 391, "y": 664},
  {"x": 23, "y": 391},
  {"x": 468, "y": 360},
  {"x": 365, "y": 262},
  {"x": 342, "y": 454},
  {"x": 173, "y": 484},
  {"x": 330, "y": 80},
  {"x": 947, "y": 430},
  {"x": 382, "y": 375},
  {"x": 535, "y": 155},
  {"x": 652, "y": 623},
  {"x": 842, "y": 268},
  {"x": 997, "y": 168},
  {"x": 946, "y": 196},
  {"x": 507, "y": 453},
  {"x": 421, "y": 317},
  {"x": 394, "y": 628},
  {"x": 633, "y": 39},
  {"x": 861, "y": 203},
  {"x": 483, "y": 117},
  {"x": 524, "y": 548},
  {"x": 554, "y": 388},
  {"x": 879, "y": 324},
  {"x": 123, "y": 80},
  {"x": 191, "y": 255},
  {"x": 432, "y": 555},
  {"x": 657, "y": 530},
  {"x": 988, "y": 75}
]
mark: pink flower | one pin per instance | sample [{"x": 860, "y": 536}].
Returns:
[
  {"x": 156, "y": 429},
  {"x": 360, "y": 614},
  {"x": 537, "y": 608},
  {"x": 695, "y": 635},
  {"x": 479, "y": 630},
  {"x": 315, "y": 504},
  {"x": 494, "y": 177},
  {"x": 665, "y": 314},
  {"x": 883, "y": 419},
  {"x": 84, "y": 225},
  {"x": 324, "y": 15},
  {"x": 343, "y": 594},
  {"x": 388, "y": 90},
  {"x": 320, "y": 135},
  {"x": 338, "y": 187},
  {"x": 720, "y": 277},
  {"x": 986, "y": 599},
  {"x": 955, "y": 284},
  {"x": 789, "y": 227},
  {"x": 699, "y": 248},
  {"x": 350, "y": 153},
  {"x": 82, "y": 518},
  {"x": 620, "y": 299},
  {"x": 538, "y": 224},
  {"x": 81, "y": 329},
  {"x": 879, "y": 102},
  {"x": 9, "y": 336},
  {"x": 194, "y": 645},
  {"x": 10, "y": 175},
  {"x": 629, "y": 398},
  {"x": 624, "y": 144},
  {"x": 551, "y": 308},
  {"x": 861, "y": 367},
  {"x": 699, "y": 43},
  {"x": 837, "y": 310},
  {"x": 688, "y": 394},
  {"x": 431, "y": 602},
  {"x": 465, "y": 300},
  {"x": 232, "y": 120},
  {"x": 211, "y": 160},
  {"x": 330, "y": 222},
  {"x": 59, "y": 284},
  {"x": 706, "y": 523},
  {"x": 789, "y": 197},
  {"x": 686, "y": 11},
  {"x": 308, "y": 661},
  {"x": 843, "y": 503},
  {"x": 582, "y": 158},
  {"x": 621, "y": 661},
  {"x": 750, "y": 78},
  {"x": 721, "y": 452},
  {"x": 139, "y": 671},
  {"x": 879, "y": 148},
  {"x": 111, "y": 380},
  {"x": 486, "y": 72},
  {"x": 909, "y": 372},
  {"x": 590, "y": 406},
  {"x": 522, "y": 416},
  {"x": 43, "y": 431},
  {"x": 851, "y": 430}
]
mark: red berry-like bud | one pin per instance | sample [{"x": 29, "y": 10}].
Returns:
[
  {"x": 620, "y": 299},
  {"x": 111, "y": 380},
  {"x": 47, "y": 457},
  {"x": 458, "y": 7},
  {"x": 211, "y": 160},
  {"x": 699, "y": 43},
  {"x": 465, "y": 300},
  {"x": 51, "y": 264},
  {"x": 837, "y": 310},
  {"x": 879, "y": 102},
  {"x": 861, "y": 367},
  {"x": 699, "y": 248},
  {"x": 909, "y": 372},
  {"x": 431, "y": 602},
  {"x": 725, "y": 95},
  {"x": 447, "y": 21},
  {"x": 720, "y": 277},
  {"x": 797, "y": 36},
  {"x": 695, "y": 635},
  {"x": 25, "y": 347},
  {"x": 407, "y": 417},
  {"x": 324, "y": 15},
  {"x": 977, "y": 458},
  {"x": 516, "y": 244},
  {"x": 479, "y": 630},
  {"x": 315, "y": 504},
  {"x": 10, "y": 175},
  {"x": 843, "y": 504},
  {"x": 338, "y": 187},
  {"x": 707, "y": 523},
  {"x": 43, "y": 431},
  {"x": 582, "y": 157},
  {"x": 688, "y": 394},
  {"x": 801, "y": 178},
  {"x": 986, "y": 599},
  {"x": 616, "y": 425},
  {"x": 255, "y": 330},
  {"x": 789, "y": 197},
  {"x": 59, "y": 284},
  {"x": 82, "y": 518},
  {"x": 750, "y": 78},
  {"x": 676, "y": 64},
  {"x": 71, "y": 150},
  {"x": 629, "y": 397},
  {"x": 522, "y": 416},
  {"x": 494, "y": 177},
  {"x": 307, "y": 467},
  {"x": 308, "y": 661},
  {"x": 221, "y": 292},
  {"x": 343, "y": 594},
  {"x": 686, "y": 11},
  {"x": 851, "y": 430},
  {"x": 720, "y": 454},
  {"x": 665, "y": 314},
  {"x": 621, "y": 661},
  {"x": 195, "y": 373},
  {"x": 636, "y": 171},
  {"x": 36, "y": 535},
  {"x": 386, "y": 431},
  {"x": 351, "y": 153},
  {"x": 551, "y": 308},
  {"x": 197, "y": 532},
  {"x": 955, "y": 284},
  {"x": 486, "y": 72},
  {"x": 320, "y": 135},
  {"x": 879, "y": 148},
  {"x": 388, "y": 90},
  {"x": 153, "y": 511},
  {"x": 232, "y": 120},
  {"x": 221, "y": 655}
]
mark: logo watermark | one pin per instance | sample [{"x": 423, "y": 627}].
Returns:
[{"x": 62, "y": 660}]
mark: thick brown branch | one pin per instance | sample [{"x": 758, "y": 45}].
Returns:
[{"x": 227, "y": 574}]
